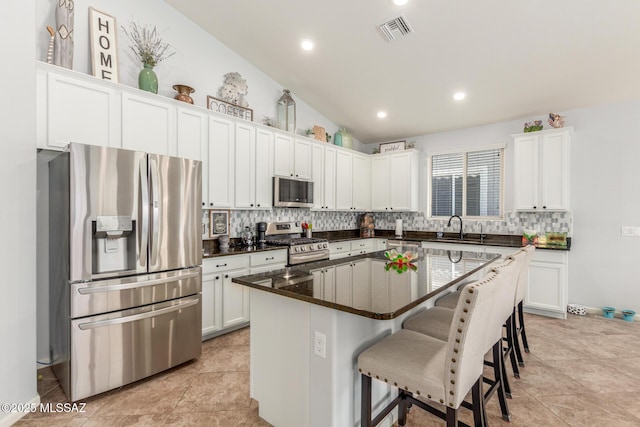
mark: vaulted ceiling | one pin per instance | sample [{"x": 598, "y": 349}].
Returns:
[{"x": 512, "y": 58}]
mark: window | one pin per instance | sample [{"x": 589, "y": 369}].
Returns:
[{"x": 467, "y": 184}]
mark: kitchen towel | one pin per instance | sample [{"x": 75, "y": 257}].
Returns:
[{"x": 398, "y": 228}]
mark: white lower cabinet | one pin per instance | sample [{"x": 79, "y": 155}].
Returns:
[
  {"x": 340, "y": 249},
  {"x": 361, "y": 246},
  {"x": 547, "y": 293},
  {"x": 225, "y": 305}
]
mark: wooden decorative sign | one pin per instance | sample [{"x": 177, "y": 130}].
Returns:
[
  {"x": 228, "y": 108},
  {"x": 390, "y": 147},
  {"x": 104, "y": 47}
]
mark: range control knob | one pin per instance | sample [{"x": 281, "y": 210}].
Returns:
[
  {"x": 302, "y": 248},
  {"x": 325, "y": 245},
  {"x": 296, "y": 249},
  {"x": 310, "y": 247},
  {"x": 319, "y": 245}
]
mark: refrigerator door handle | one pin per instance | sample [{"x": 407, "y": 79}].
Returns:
[
  {"x": 133, "y": 318},
  {"x": 155, "y": 207},
  {"x": 144, "y": 220},
  {"x": 134, "y": 285}
]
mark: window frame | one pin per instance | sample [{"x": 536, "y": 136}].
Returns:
[{"x": 464, "y": 152}]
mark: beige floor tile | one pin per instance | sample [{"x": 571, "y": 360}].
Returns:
[
  {"x": 126, "y": 421},
  {"x": 216, "y": 391},
  {"x": 226, "y": 359},
  {"x": 594, "y": 376},
  {"x": 586, "y": 410},
  {"x": 209, "y": 419}
]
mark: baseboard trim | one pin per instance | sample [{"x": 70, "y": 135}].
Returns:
[{"x": 11, "y": 418}]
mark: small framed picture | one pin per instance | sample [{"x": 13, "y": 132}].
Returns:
[
  {"x": 390, "y": 147},
  {"x": 218, "y": 223}
]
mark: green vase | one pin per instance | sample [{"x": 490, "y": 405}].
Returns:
[{"x": 147, "y": 79}]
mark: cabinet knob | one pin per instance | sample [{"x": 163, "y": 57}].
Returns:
[
  {"x": 296, "y": 175},
  {"x": 221, "y": 265},
  {"x": 268, "y": 258},
  {"x": 535, "y": 207},
  {"x": 226, "y": 276},
  {"x": 391, "y": 208},
  {"x": 291, "y": 174},
  {"x": 544, "y": 207},
  {"x": 217, "y": 277},
  {"x": 251, "y": 204},
  {"x": 258, "y": 204},
  {"x": 203, "y": 203}
]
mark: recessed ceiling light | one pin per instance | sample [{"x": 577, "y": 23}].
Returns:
[
  {"x": 459, "y": 96},
  {"x": 307, "y": 44},
  {"x": 400, "y": 2},
  {"x": 382, "y": 114}
]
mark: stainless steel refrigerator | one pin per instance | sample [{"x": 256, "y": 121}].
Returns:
[{"x": 125, "y": 277}]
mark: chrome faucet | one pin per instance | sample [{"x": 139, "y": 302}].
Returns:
[{"x": 449, "y": 225}]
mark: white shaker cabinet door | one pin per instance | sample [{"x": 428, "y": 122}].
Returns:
[
  {"x": 283, "y": 155},
  {"x": 245, "y": 166},
  {"x": 344, "y": 181},
  {"x": 148, "y": 125},
  {"x": 72, "y": 110},
  {"x": 302, "y": 159},
  {"x": 317, "y": 175},
  {"x": 361, "y": 183},
  {"x": 380, "y": 183},
  {"x": 526, "y": 160},
  {"x": 193, "y": 143},
  {"x": 329, "y": 178},
  {"x": 235, "y": 299},
  {"x": 221, "y": 164},
  {"x": 264, "y": 169}
]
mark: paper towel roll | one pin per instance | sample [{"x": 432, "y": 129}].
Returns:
[{"x": 398, "y": 228}]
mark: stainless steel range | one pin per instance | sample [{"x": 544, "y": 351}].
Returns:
[{"x": 301, "y": 249}]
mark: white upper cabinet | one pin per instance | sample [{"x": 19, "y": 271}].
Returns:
[
  {"x": 353, "y": 181},
  {"x": 361, "y": 182},
  {"x": 292, "y": 157},
  {"x": 344, "y": 181},
  {"x": 541, "y": 170},
  {"x": 221, "y": 163},
  {"x": 395, "y": 181},
  {"x": 302, "y": 159},
  {"x": 253, "y": 167},
  {"x": 323, "y": 175},
  {"x": 72, "y": 108},
  {"x": 148, "y": 124},
  {"x": 264, "y": 168},
  {"x": 193, "y": 143}
]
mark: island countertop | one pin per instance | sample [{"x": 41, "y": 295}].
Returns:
[{"x": 369, "y": 285}]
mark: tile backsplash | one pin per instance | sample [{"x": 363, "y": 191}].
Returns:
[{"x": 513, "y": 222}]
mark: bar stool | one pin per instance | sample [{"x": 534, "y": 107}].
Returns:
[
  {"x": 521, "y": 291},
  {"x": 437, "y": 370},
  {"x": 436, "y": 322}
]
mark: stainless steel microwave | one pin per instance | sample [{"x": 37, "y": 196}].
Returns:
[{"x": 292, "y": 193}]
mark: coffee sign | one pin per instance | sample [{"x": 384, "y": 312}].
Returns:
[{"x": 104, "y": 48}]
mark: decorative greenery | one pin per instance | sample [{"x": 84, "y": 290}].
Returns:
[
  {"x": 147, "y": 45},
  {"x": 533, "y": 126}
]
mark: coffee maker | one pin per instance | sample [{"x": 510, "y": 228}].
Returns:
[{"x": 261, "y": 228}]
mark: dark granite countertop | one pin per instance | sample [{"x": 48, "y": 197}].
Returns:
[
  {"x": 503, "y": 240},
  {"x": 378, "y": 289},
  {"x": 240, "y": 250}
]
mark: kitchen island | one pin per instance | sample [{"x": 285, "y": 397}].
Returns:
[{"x": 309, "y": 323}]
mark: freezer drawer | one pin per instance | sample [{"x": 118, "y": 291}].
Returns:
[
  {"x": 111, "y": 350},
  {"x": 103, "y": 296}
]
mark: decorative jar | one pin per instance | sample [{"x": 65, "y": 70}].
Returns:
[
  {"x": 183, "y": 93},
  {"x": 147, "y": 79}
]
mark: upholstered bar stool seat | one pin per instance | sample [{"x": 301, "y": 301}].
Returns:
[
  {"x": 448, "y": 301},
  {"x": 435, "y": 322},
  {"x": 408, "y": 360}
]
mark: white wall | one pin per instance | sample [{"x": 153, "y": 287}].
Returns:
[
  {"x": 17, "y": 214},
  {"x": 200, "y": 60},
  {"x": 605, "y": 195}
]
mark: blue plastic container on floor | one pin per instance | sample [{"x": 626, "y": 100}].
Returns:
[
  {"x": 608, "y": 312},
  {"x": 628, "y": 315}
]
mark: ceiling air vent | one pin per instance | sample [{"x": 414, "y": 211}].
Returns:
[{"x": 396, "y": 28}]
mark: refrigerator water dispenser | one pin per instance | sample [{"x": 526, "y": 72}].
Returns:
[{"x": 114, "y": 245}]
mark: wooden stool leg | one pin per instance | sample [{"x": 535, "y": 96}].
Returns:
[
  {"x": 477, "y": 400},
  {"x": 525, "y": 344},
  {"x": 402, "y": 409},
  {"x": 502, "y": 398},
  {"x": 516, "y": 340},
  {"x": 452, "y": 417},
  {"x": 365, "y": 406},
  {"x": 511, "y": 346}
]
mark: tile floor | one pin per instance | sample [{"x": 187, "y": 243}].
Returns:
[{"x": 584, "y": 371}]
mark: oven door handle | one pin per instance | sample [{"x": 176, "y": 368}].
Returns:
[
  {"x": 133, "y": 318},
  {"x": 132, "y": 285},
  {"x": 314, "y": 256}
]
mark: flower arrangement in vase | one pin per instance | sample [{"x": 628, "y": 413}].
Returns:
[{"x": 149, "y": 48}]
